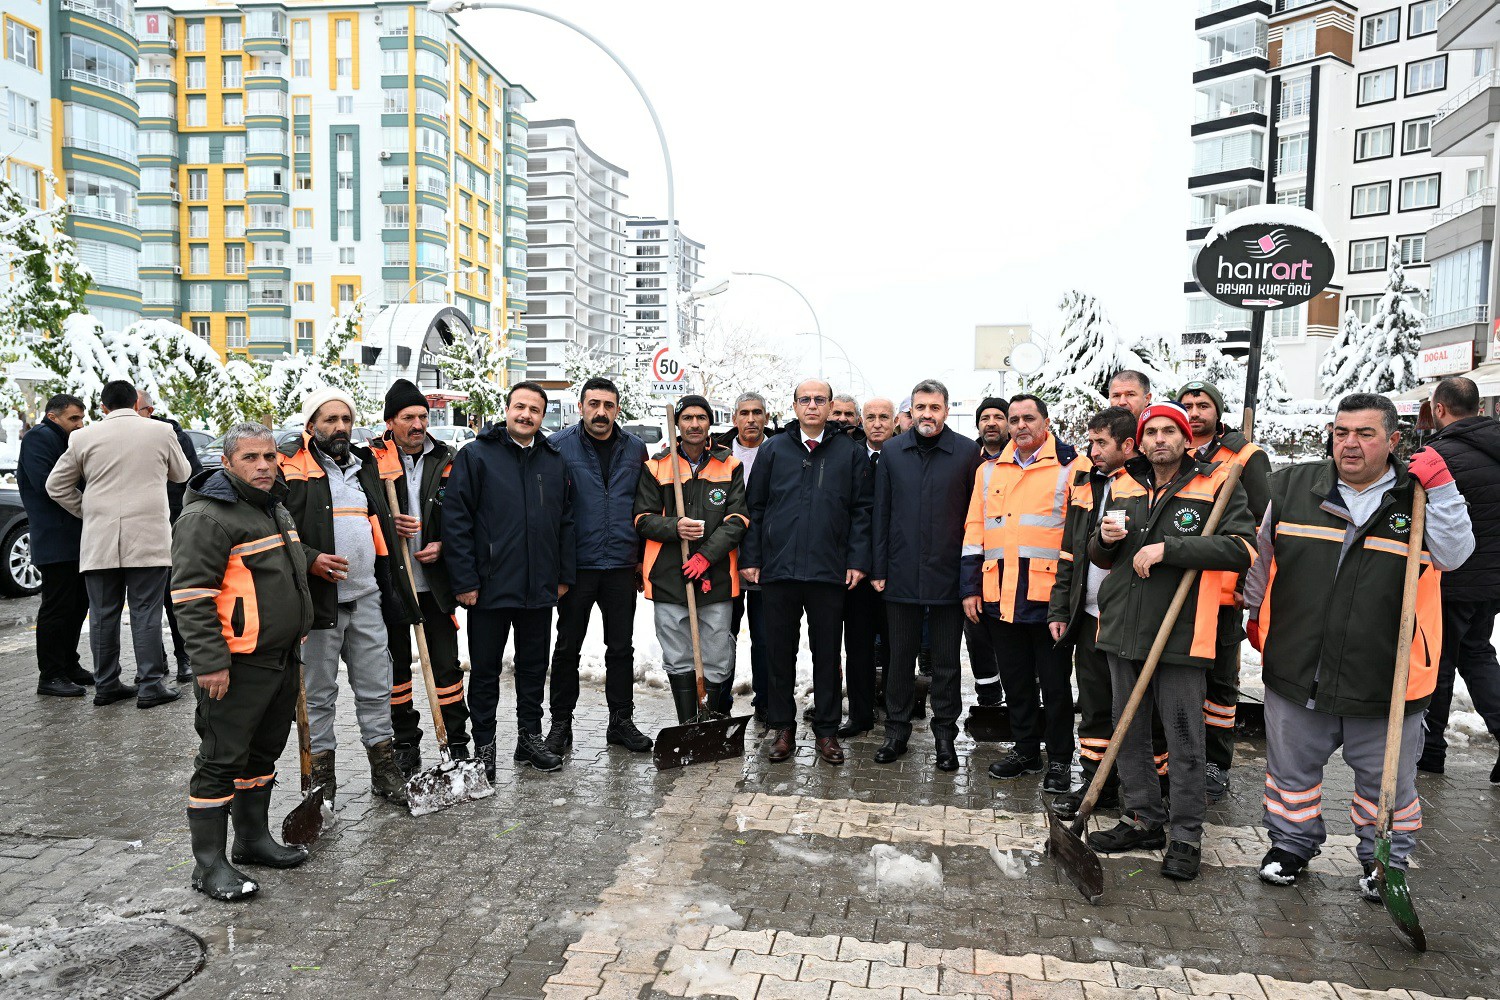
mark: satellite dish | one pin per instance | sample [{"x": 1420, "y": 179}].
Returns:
[{"x": 1026, "y": 358}]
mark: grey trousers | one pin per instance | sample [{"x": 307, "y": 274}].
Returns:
[
  {"x": 359, "y": 638},
  {"x": 1300, "y": 741},
  {"x": 1176, "y": 692},
  {"x": 145, "y": 587},
  {"x": 715, "y": 642}
]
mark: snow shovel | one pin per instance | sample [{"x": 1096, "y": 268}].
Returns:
[
  {"x": 304, "y": 824},
  {"x": 1078, "y": 860},
  {"x": 709, "y": 736},
  {"x": 448, "y": 782},
  {"x": 1394, "y": 891}
]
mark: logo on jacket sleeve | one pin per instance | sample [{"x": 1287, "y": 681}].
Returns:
[
  {"x": 1401, "y": 523},
  {"x": 717, "y": 497},
  {"x": 1186, "y": 520}
]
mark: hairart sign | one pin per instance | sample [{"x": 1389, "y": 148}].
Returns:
[{"x": 1265, "y": 257}]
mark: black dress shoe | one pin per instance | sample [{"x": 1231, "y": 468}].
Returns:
[
  {"x": 852, "y": 728},
  {"x": 170, "y": 695},
  {"x": 947, "y": 757},
  {"x": 890, "y": 750},
  {"x": 108, "y": 696},
  {"x": 81, "y": 676},
  {"x": 61, "y": 688}
]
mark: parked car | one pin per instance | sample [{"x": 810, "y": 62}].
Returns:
[
  {"x": 20, "y": 577},
  {"x": 200, "y": 439},
  {"x": 288, "y": 440},
  {"x": 453, "y": 437}
]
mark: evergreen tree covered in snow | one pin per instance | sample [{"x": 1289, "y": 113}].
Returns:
[
  {"x": 291, "y": 378},
  {"x": 728, "y": 359},
  {"x": 1381, "y": 355},
  {"x": 473, "y": 365},
  {"x": 1338, "y": 371},
  {"x": 581, "y": 364}
]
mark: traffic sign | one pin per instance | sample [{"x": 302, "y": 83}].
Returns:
[{"x": 667, "y": 376}]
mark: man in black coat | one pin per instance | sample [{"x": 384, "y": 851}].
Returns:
[
  {"x": 146, "y": 407},
  {"x": 922, "y": 491},
  {"x": 509, "y": 549},
  {"x": 866, "y": 640},
  {"x": 1470, "y": 445},
  {"x": 808, "y": 545},
  {"x": 55, "y": 535}
]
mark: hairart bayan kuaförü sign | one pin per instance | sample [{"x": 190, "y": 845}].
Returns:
[{"x": 1265, "y": 257}]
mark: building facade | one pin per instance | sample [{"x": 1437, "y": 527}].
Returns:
[
  {"x": 68, "y": 74},
  {"x": 296, "y": 158},
  {"x": 1330, "y": 105},
  {"x": 576, "y": 253},
  {"x": 647, "y": 263}
]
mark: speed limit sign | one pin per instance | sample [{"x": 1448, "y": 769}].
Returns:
[{"x": 667, "y": 375}]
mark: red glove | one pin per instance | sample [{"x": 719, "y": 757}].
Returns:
[
  {"x": 1252, "y": 627},
  {"x": 695, "y": 567},
  {"x": 1430, "y": 469}
]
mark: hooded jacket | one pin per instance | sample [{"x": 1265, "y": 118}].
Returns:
[
  {"x": 1471, "y": 447},
  {"x": 239, "y": 579},
  {"x": 714, "y": 494}
]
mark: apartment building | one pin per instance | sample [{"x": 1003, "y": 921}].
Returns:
[
  {"x": 68, "y": 76},
  {"x": 298, "y": 157},
  {"x": 1462, "y": 336},
  {"x": 576, "y": 252},
  {"x": 647, "y": 263},
  {"x": 1330, "y": 105}
]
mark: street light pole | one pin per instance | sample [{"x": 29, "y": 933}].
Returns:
[
  {"x": 452, "y": 6},
  {"x": 816, "y": 323}
]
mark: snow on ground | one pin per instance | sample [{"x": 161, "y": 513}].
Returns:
[{"x": 899, "y": 873}]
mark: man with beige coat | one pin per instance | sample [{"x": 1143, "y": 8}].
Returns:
[{"x": 113, "y": 476}]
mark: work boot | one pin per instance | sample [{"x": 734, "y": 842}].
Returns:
[
  {"x": 622, "y": 733},
  {"x": 1058, "y": 780},
  {"x": 409, "y": 759},
  {"x": 531, "y": 749},
  {"x": 1369, "y": 883},
  {"x": 1182, "y": 861},
  {"x": 713, "y": 695},
  {"x": 1430, "y": 762},
  {"x": 458, "y": 751},
  {"x": 1014, "y": 764},
  {"x": 1216, "y": 783},
  {"x": 990, "y": 695},
  {"x": 487, "y": 758},
  {"x": 184, "y": 672},
  {"x": 684, "y": 696},
  {"x": 213, "y": 875},
  {"x": 253, "y": 843},
  {"x": 1128, "y": 835},
  {"x": 559, "y": 736},
  {"x": 323, "y": 775},
  {"x": 1281, "y": 867},
  {"x": 61, "y": 687},
  {"x": 1067, "y": 806},
  {"x": 385, "y": 777}
]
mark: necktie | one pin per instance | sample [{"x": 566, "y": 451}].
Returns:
[
  {"x": 874, "y": 461},
  {"x": 811, "y": 444}
]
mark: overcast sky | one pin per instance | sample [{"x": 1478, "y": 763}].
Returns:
[{"x": 915, "y": 169}]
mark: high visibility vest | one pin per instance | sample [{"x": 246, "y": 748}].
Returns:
[
  {"x": 1017, "y": 514},
  {"x": 1226, "y": 456}
]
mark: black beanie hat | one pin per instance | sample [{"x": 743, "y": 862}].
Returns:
[
  {"x": 992, "y": 403},
  {"x": 692, "y": 400},
  {"x": 402, "y": 394}
]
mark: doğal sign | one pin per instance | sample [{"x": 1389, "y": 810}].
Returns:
[{"x": 1265, "y": 257}]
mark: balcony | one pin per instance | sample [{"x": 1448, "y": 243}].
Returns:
[
  {"x": 93, "y": 211},
  {"x": 1282, "y": 6},
  {"x": 265, "y": 73},
  {"x": 101, "y": 13},
  {"x": 1462, "y": 126},
  {"x": 1462, "y": 224},
  {"x": 94, "y": 145},
  {"x": 1224, "y": 58},
  {"x": 1478, "y": 199},
  {"x": 95, "y": 80},
  {"x": 1300, "y": 107},
  {"x": 1470, "y": 315},
  {"x": 1250, "y": 108},
  {"x": 1467, "y": 24},
  {"x": 1207, "y": 7}
]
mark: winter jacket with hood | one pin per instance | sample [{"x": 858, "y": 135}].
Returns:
[
  {"x": 239, "y": 575},
  {"x": 1471, "y": 447},
  {"x": 508, "y": 522},
  {"x": 714, "y": 494},
  {"x": 603, "y": 512}
]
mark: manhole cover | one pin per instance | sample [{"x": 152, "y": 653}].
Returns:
[{"x": 125, "y": 961}]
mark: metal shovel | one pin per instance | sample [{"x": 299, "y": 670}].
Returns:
[{"x": 304, "y": 824}]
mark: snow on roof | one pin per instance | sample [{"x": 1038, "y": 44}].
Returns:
[{"x": 1270, "y": 215}]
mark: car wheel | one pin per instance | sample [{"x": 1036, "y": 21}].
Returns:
[{"x": 21, "y": 577}]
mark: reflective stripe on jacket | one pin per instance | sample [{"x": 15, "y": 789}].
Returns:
[
  {"x": 715, "y": 494},
  {"x": 1233, "y": 448}
]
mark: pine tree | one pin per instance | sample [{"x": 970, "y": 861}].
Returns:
[
  {"x": 1339, "y": 369},
  {"x": 1392, "y": 338},
  {"x": 581, "y": 364},
  {"x": 473, "y": 366}
]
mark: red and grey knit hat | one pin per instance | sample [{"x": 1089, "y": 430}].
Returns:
[{"x": 1172, "y": 411}]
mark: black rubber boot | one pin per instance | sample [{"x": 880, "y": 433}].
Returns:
[
  {"x": 253, "y": 843},
  {"x": 385, "y": 777},
  {"x": 323, "y": 775},
  {"x": 409, "y": 759},
  {"x": 684, "y": 696},
  {"x": 213, "y": 875},
  {"x": 713, "y": 695},
  {"x": 623, "y": 733}
]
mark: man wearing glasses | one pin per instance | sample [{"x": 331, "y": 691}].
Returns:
[{"x": 808, "y": 545}]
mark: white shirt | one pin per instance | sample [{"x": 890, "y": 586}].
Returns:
[
  {"x": 871, "y": 452},
  {"x": 805, "y": 438},
  {"x": 745, "y": 455}
]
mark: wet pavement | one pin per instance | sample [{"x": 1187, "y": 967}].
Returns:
[{"x": 738, "y": 879}]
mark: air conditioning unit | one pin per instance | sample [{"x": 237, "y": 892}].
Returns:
[
  {"x": 176, "y": 268},
  {"x": 379, "y": 19},
  {"x": 385, "y": 155}
]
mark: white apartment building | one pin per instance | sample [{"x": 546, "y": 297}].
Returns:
[
  {"x": 1327, "y": 104},
  {"x": 575, "y": 253},
  {"x": 649, "y": 246}
]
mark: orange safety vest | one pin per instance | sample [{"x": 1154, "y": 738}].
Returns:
[
  {"x": 304, "y": 466},
  {"x": 1229, "y": 582},
  {"x": 1016, "y": 514}
]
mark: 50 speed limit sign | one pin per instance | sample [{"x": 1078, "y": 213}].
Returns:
[{"x": 667, "y": 375}]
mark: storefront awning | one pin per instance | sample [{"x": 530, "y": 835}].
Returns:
[{"x": 1487, "y": 377}]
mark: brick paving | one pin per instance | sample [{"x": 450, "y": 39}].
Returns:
[{"x": 738, "y": 879}]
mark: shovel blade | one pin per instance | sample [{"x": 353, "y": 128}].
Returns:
[
  {"x": 989, "y": 724},
  {"x": 1076, "y": 858},
  {"x": 1396, "y": 895},
  {"x": 447, "y": 784},
  {"x": 304, "y": 824},
  {"x": 700, "y": 742}
]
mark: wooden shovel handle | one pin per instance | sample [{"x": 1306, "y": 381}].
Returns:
[
  {"x": 439, "y": 729},
  {"x": 692, "y": 600},
  {"x": 304, "y": 736},
  {"x": 1159, "y": 646},
  {"x": 1397, "y": 717}
]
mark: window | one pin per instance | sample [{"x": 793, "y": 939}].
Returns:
[
  {"x": 1363, "y": 307},
  {"x": 234, "y": 224},
  {"x": 198, "y": 184},
  {"x": 300, "y": 29},
  {"x": 346, "y": 255},
  {"x": 1367, "y": 255},
  {"x": 343, "y": 66},
  {"x": 346, "y": 292},
  {"x": 234, "y": 149},
  {"x": 302, "y": 181},
  {"x": 234, "y": 109},
  {"x": 1460, "y": 283},
  {"x": 1285, "y": 324},
  {"x": 302, "y": 143},
  {"x": 302, "y": 105},
  {"x": 1473, "y": 180},
  {"x": 1298, "y": 42},
  {"x": 234, "y": 35},
  {"x": 302, "y": 218},
  {"x": 1416, "y": 136},
  {"x": 197, "y": 37},
  {"x": 345, "y": 181},
  {"x": 304, "y": 255},
  {"x": 1413, "y": 248},
  {"x": 234, "y": 334},
  {"x": 197, "y": 112},
  {"x": 23, "y": 115},
  {"x": 234, "y": 75},
  {"x": 1377, "y": 85},
  {"x": 1427, "y": 75},
  {"x": 1484, "y": 61},
  {"x": 1422, "y": 19},
  {"x": 304, "y": 330},
  {"x": 99, "y": 64},
  {"x": 1291, "y": 154},
  {"x": 234, "y": 254},
  {"x": 234, "y": 185},
  {"x": 346, "y": 104},
  {"x": 197, "y": 73},
  {"x": 1420, "y": 192},
  {"x": 345, "y": 218},
  {"x": 21, "y": 44},
  {"x": 200, "y": 327},
  {"x": 235, "y": 296},
  {"x": 198, "y": 259},
  {"x": 302, "y": 67},
  {"x": 1296, "y": 98},
  {"x": 1374, "y": 143},
  {"x": 1372, "y": 199},
  {"x": 304, "y": 291},
  {"x": 1380, "y": 29},
  {"x": 200, "y": 296},
  {"x": 343, "y": 142},
  {"x": 197, "y": 149}
]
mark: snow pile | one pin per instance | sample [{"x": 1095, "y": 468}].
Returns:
[
  {"x": 1270, "y": 215},
  {"x": 896, "y": 872},
  {"x": 705, "y": 978},
  {"x": 790, "y": 849},
  {"x": 1010, "y": 865}
]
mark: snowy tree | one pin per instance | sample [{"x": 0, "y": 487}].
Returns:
[
  {"x": 80, "y": 359},
  {"x": 1381, "y": 355},
  {"x": 729, "y": 359},
  {"x": 291, "y": 378},
  {"x": 1339, "y": 369},
  {"x": 473, "y": 365},
  {"x": 581, "y": 364}
]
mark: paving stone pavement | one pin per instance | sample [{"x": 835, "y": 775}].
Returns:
[{"x": 738, "y": 879}]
